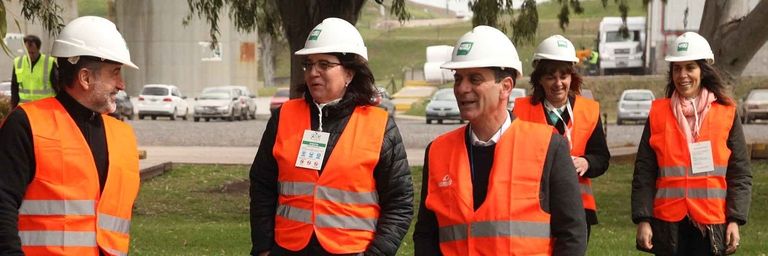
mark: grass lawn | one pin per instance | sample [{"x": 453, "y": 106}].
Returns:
[{"x": 197, "y": 210}]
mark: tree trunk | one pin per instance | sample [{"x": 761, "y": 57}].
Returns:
[
  {"x": 300, "y": 16},
  {"x": 267, "y": 58},
  {"x": 735, "y": 34}
]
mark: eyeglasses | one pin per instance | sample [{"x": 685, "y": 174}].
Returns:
[{"x": 321, "y": 65}]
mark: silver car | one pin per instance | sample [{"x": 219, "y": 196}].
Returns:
[
  {"x": 443, "y": 106},
  {"x": 218, "y": 102},
  {"x": 516, "y": 93},
  {"x": 755, "y": 105},
  {"x": 634, "y": 105}
]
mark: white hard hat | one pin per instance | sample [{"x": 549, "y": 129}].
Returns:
[
  {"x": 555, "y": 47},
  {"x": 690, "y": 46},
  {"x": 484, "y": 46},
  {"x": 334, "y": 35},
  {"x": 92, "y": 36}
]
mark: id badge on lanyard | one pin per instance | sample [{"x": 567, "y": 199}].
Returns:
[
  {"x": 566, "y": 127},
  {"x": 312, "y": 150},
  {"x": 701, "y": 157}
]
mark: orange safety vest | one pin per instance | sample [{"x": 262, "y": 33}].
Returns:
[
  {"x": 586, "y": 113},
  {"x": 679, "y": 192},
  {"x": 341, "y": 206},
  {"x": 63, "y": 211},
  {"x": 510, "y": 221}
]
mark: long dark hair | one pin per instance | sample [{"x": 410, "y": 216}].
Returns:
[
  {"x": 550, "y": 67},
  {"x": 361, "y": 89},
  {"x": 710, "y": 79}
]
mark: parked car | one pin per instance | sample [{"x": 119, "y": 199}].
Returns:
[
  {"x": 238, "y": 95},
  {"x": 5, "y": 89},
  {"x": 587, "y": 93},
  {"x": 281, "y": 95},
  {"x": 219, "y": 102},
  {"x": 124, "y": 106},
  {"x": 516, "y": 93},
  {"x": 443, "y": 106},
  {"x": 634, "y": 104},
  {"x": 162, "y": 100},
  {"x": 383, "y": 100},
  {"x": 755, "y": 105},
  {"x": 248, "y": 100}
]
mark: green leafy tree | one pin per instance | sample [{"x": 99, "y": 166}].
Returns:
[
  {"x": 296, "y": 18},
  {"x": 44, "y": 11}
]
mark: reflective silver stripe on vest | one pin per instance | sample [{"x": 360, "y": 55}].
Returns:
[
  {"x": 46, "y": 75},
  {"x": 585, "y": 189},
  {"x": 57, "y": 207},
  {"x": 495, "y": 229},
  {"x": 115, "y": 252},
  {"x": 680, "y": 171},
  {"x": 701, "y": 193},
  {"x": 113, "y": 223},
  {"x": 19, "y": 62},
  {"x": 347, "y": 222},
  {"x": 36, "y": 92},
  {"x": 294, "y": 214},
  {"x": 510, "y": 229},
  {"x": 453, "y": 233},
  {"x": 348, "y": 197},
  {"x": 296, "y": 188},
  {"x": 57, "y": 238}
]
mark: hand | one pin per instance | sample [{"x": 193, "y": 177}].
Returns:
[
  {"x": 581, "y": 165},
  {"x": 264, "y": 253},
  {"x": 644, "y": 235},
  {"x": 732, "y": 237}
]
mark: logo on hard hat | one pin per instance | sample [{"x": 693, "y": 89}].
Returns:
[
  {"x": 562, "y": 44},
  {"x": 464, "y": 48},
  {"x": 683, "y": 46},
  {"x": 314, "y": 34}
]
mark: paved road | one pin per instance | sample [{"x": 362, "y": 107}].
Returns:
[{"x": 237, "y": 142}]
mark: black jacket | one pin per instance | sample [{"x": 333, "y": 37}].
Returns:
[
  {"x": 596, "y": 152},
  {"x": 738, "y": 194},
  {"x": 17, "y": 162},
  {"x": 559, "y": 196},
  {"x": 392, "y": 176}
]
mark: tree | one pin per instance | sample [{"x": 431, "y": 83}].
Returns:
[
  {"x": 735, "y": 36},
  {"x": 296, "y": 17},
  {"x": 46, "y": 11}
]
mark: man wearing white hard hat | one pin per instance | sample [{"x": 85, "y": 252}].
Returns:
[
  {"x": 331, "y": 175},
  {"x": 70, "y": 172},
  {"x": 497, "y": 186},
  {"x": 556, "y": 101},
  {"x": 692, "y": 181}
]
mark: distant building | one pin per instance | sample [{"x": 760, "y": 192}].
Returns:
[
  {"x": 167, "y": 52},
  {"x": 14, "y": 36},
  {"x": 667, "y": 21}
]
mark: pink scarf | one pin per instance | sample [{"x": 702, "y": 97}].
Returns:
[{"x": 683, "y": 110}]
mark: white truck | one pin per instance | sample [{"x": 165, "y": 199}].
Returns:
[{"x": 619, "y": 54}]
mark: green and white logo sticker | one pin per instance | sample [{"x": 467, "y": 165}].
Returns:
[
  {"x": 682, "y": 47},
  {"x": 464, "y": 48},
  {"x": 314, "y": 34},
  {"x": 562, "y": 44}
]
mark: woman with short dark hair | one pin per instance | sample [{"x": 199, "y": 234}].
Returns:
[{"x": 331, "y": 175}]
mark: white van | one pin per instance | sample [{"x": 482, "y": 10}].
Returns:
[
  {"x": 162, "y": 100},
  {"x": 620, "y": 54}
]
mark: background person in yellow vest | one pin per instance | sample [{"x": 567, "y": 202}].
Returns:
[
  {"x": 556, "y": 101},
  {"x": 692, "y": 183},
  {"x": 331, "y": 175},
  {"x": 32, "y": 78},
  {"x": 69, "y": 172},
  {"x": 499, "y": 185}
]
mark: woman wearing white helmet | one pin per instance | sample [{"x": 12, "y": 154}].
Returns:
[
  {"x": 692, "y": 182},
  {"x": 556, "y": 101},
  {"x": 331, "y": 175}
]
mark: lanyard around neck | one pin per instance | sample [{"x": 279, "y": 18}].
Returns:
[{"x": 566, "y": 126}]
